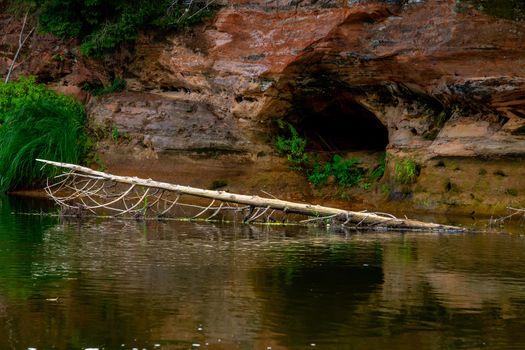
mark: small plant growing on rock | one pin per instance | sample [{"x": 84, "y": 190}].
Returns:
[
  {"x": 511, "y": 192},
  {"x": 338, "y": 170},
  {"x": 293, "y": 146},
  {"x": 117, "y": 85},
  {"x": 406, "y": 171},
  {"x": 115, "y": 134},
  {"x": 319, "y": 174},
  {"x": 118, "y": 136},
  {"x": 385, "y": 190},
  {"x": 378, "y": 172},
  {"x": 345, "y": 172}
]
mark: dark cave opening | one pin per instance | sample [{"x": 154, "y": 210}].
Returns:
[{"x": 340, "y": 125}]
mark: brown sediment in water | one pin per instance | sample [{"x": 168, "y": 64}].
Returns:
[{"x": 453, "y": 186}]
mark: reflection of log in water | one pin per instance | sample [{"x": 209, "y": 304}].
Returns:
[{"x": 91, "y": 190}]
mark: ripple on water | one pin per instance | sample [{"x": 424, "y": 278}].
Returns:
[{"x": 180, "y": 283}]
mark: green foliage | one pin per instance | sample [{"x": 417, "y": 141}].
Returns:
[
  {"x": 103, "y": 25},
  {"x": 375, "y": 174},
  {"x": 406, "y": 171},
  {"x": 385, "y": 189},
  {"x": 511, "y": 192},
  {"x": 438, "y": 121},
  {"x": 117, "y": 85},
  {"x": 319, "y": 174},
  {"x": 379, "y": 170},
  {"x": 118, "y": 136},
  {"x": 115, "y": 134},
  {"x": 345, "y": 172},
  {"x": 293, "y": 146},
  {"x": 15, "y": 94},
  {"x": 441, "y": 118},
  {"x": 88, "y": 152},
  {"x": 36, "y": 124},
  {"x": 508, "y": 9}
]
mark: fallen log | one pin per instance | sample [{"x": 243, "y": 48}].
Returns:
[{"x": 86, "y": 189}]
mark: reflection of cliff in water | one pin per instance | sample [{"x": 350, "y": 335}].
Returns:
[
  {"x": 316, "y": 295},
  {"x": 123, "y": 282},
  {"x": 471, "y": 287}
]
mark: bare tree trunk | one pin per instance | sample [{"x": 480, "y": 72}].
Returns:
[
  {"x": 21, "y": 41},
  {"x": 365, "y": 220}
]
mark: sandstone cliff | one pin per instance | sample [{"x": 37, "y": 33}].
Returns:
[{"x": 435, "y": 81}]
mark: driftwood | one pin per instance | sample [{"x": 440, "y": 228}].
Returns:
[{"x": 83, "y": 189}]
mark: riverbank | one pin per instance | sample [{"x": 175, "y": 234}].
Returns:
[
  {"x": 200, "y": 106},
  {"x": 479, "y": 188}
]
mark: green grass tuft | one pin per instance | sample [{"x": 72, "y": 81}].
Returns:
[
  {"x": 406, "y": 171},
  {"x": 378, "y": 172},
  {"x": 41, "y": 125},
  {"x": 117, "y": 85}
]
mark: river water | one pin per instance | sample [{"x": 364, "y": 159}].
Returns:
[{"x": 111, "y": 284}]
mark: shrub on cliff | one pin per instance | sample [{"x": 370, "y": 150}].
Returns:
[
  {"x": 16, "y": 93},
  {"x": 345, "y": 172},
  {"x": 290, "y": 144},
  {"x": 103, "y": 25},
  {"x": 36, "y": 123},
  {"x": 406, "y": 171}
]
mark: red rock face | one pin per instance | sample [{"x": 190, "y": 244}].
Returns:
[
  {"x": 426, "y": 60},
  {"x": 413, "y": 67},
  {"x": 444, "y": 83}
]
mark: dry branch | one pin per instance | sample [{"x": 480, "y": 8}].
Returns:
[
  {"x": 520, "y": 212},
  {"x": 21, "y": 41},
  {"x": 257, "y": 206}
]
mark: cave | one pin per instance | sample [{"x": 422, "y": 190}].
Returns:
[{"x": 339, "y": 124}]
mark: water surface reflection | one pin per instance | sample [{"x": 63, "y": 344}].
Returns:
[{"x": 176, "y": 285}]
